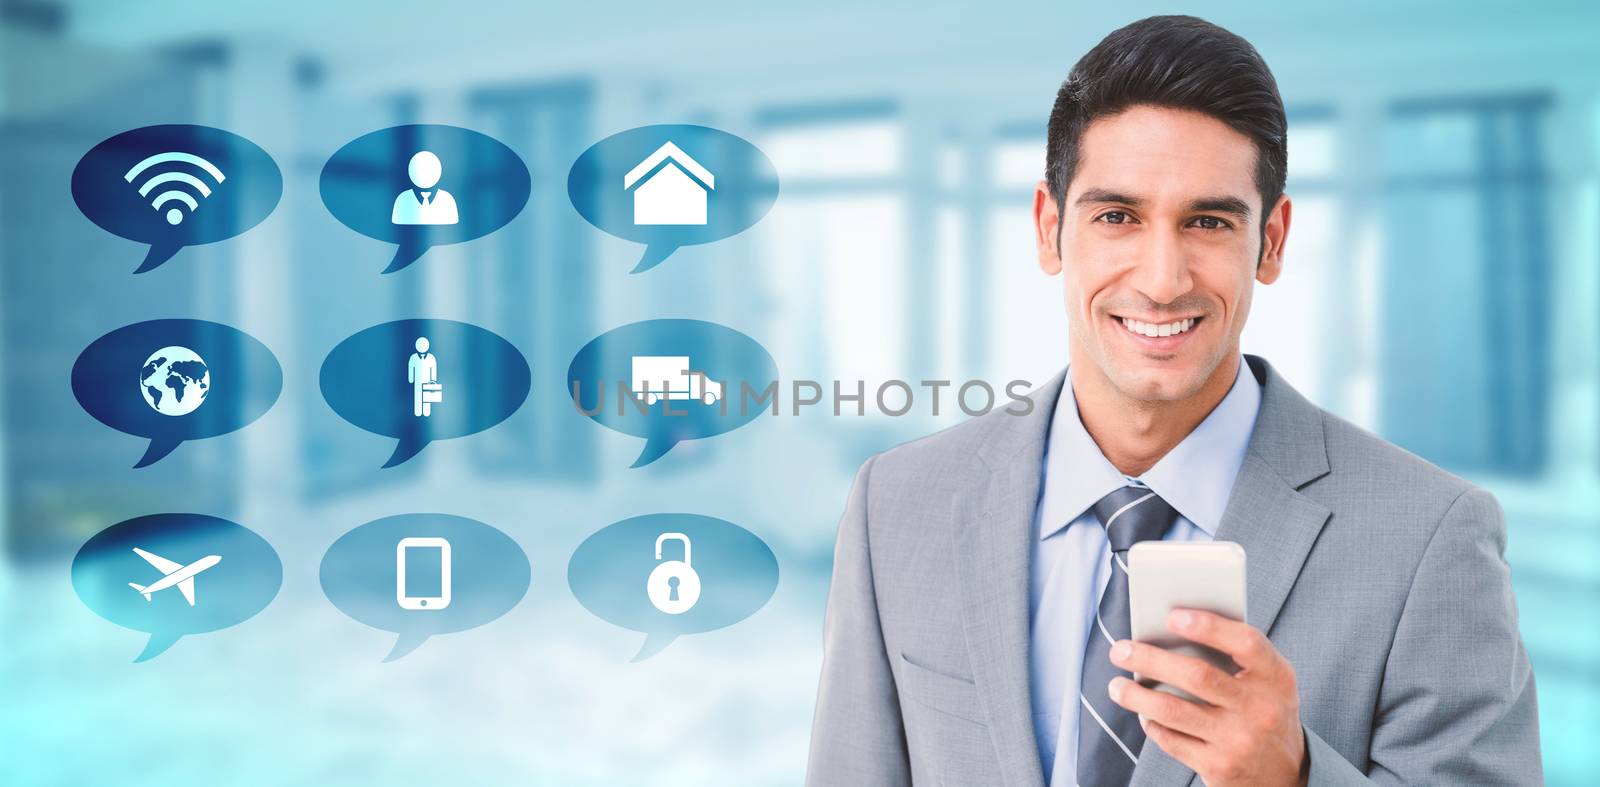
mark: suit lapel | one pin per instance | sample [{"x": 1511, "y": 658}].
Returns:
[
  {"x": 1266, "y": 512},
  {"x": 1267, "y": 515},
  {"x": 993, "y": 542},
  {"x": 1276, "y": 525}
]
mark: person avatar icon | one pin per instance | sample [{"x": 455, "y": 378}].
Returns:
[
  {"x": 424, "y": 204},
  {"x": 423, "y": 374}
]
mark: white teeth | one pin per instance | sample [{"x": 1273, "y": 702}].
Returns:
[{"x": 1152, "y": 330}]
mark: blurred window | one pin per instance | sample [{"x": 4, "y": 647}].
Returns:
[
  {"x": 534, "y": 282},
  {"x": 1463, "y": 351},
  {"x": 836, "y": 245},
  {"x": 1290, "y": 322},
  {"x": 1026, "y": 313}
]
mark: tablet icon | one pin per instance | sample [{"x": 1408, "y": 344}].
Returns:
[{"x": 422, "y": 573}]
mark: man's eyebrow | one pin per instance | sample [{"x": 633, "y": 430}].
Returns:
[
  {"x": 1216, "y": 204},
  {"x": 1233, "y": 205},
  {"x": 1100, "y": 196}
]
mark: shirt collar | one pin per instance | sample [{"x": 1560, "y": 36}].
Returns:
[{"x": 1195, "y": 477}]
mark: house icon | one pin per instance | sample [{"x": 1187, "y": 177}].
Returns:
[{"x": 669, "y": 187}]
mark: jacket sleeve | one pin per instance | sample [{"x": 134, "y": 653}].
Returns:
[
  {"x": 857, "y": 736},
  {"x": 1457, "y": 705}
]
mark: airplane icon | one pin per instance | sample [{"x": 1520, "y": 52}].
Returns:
[{"x": 175, "y": 574}]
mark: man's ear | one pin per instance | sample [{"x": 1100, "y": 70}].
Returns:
[
  {"x": 1047, "y": 229},
  {"x": 1274, "y": 236}
]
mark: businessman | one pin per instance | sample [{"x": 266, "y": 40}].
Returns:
[{"x": 977, "y": 623}]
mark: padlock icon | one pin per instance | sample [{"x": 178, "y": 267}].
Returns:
[{"x": 673, "y": 586}]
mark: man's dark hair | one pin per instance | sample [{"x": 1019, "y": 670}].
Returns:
[{"x": 1179, "y": 62}]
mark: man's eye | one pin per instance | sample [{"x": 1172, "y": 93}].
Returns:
[
  {"x": 1114, "y": 217},
  {"x": 1210, "y": 223}
]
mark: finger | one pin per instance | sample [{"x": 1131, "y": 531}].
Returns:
[
  {"x": 1249, "y": 648},
  {"x": 1186, "y": 672},
  {"x": 1171, "y": 711},
  {"x": 1186, "y": 749}
]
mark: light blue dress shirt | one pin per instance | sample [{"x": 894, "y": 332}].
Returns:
[{"x": 1072, "y": 563}]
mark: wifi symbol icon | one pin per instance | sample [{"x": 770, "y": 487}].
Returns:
[{"x": 178, "y": 183}]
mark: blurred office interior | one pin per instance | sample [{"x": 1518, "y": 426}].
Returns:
[{"x": 1442, "y": 289}]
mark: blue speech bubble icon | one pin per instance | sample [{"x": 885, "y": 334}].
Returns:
[
  {"x": 174, "y": 380},
  {"x": 423, "y": 380},
  {"x": 420, "y": 186},
  {"x": 176, "y": 185},
  {"x": 418, "y": 575},
  {"x": 672, "y": 185},
  {"x": 672, "y": 574},
  {"x": 176, "y": 574},
  {"x": 672, "y": 380}
]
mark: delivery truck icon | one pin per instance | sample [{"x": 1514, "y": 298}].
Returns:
[{"x": 663, "y": 377}]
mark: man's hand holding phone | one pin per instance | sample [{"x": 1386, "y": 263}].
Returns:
[{"x": 1248, "y": 730}]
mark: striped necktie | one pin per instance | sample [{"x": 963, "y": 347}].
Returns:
[{"x": 1109, "y": 737}]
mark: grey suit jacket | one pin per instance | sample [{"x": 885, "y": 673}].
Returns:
[{"x": 1379, "y": 576}]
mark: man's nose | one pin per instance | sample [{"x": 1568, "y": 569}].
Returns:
[{"x": 1162, "y": 273}]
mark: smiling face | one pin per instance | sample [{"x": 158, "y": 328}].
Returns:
[{"x": 1159, "y": 236}]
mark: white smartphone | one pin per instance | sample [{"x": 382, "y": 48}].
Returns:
[
  {"x": 1167, "y": 575},
  {"x": 422, "y": 573}
]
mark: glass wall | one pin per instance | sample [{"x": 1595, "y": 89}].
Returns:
[{"x": 1441, "y": 288}]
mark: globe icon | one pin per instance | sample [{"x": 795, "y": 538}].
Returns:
[{"x": 174, "y": 381}]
